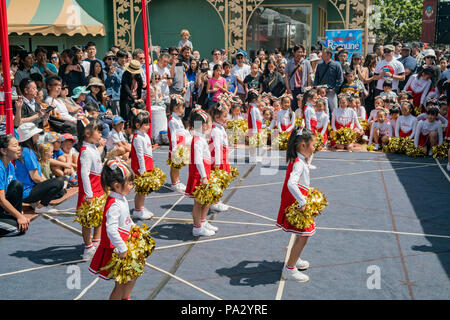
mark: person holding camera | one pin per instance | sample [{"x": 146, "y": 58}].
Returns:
[
  {"x": 179, "y": 81},
  {"x": 131, "y": 89}
]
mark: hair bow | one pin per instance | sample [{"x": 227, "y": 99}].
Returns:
[
  {"x": 300, "y": 132},
  {"x": 202, "y": 113},
  {"x": 254, "y": 91},
  {"x": 136, "y": 111},
  {"x": 287, "y": 95},
  {"x": 83, "y": 118},
  {"x": 118, "y": 163},
  {"x": 178, "y": 98}
]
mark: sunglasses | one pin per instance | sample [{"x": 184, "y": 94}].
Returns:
[{"x": 387, "y": 51}]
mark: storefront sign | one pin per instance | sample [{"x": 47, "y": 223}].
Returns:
[{"x": 350, "y": 40}]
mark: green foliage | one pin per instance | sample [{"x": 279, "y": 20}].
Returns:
[{"x": 399, "y": 20}]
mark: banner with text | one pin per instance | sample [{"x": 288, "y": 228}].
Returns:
[{"x": 350, "y": 40}]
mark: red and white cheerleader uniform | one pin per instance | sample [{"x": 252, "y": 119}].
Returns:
[
  {"x": 176, "y": 132},
  {"x": 384, "y": 127},
  {"x": 310, "y": 118},
  {"x": 116, "y": 227},
  {"x": 141, "y": 153},
  {"x": 405, "y": 127},
  {"x": 219, "y": 147},
  {"x": 423, "y": 130},
  {"x": 373, "y": 114},
  {"x": 89, "y": 169},
  {"x": 342, "y": 118},
  {"x": 255, "y": 119},
  {"x": 295, "y": 188},
  {"x": 200, "y": 165},
  {"x": 356, "y": 124},
  {"x": 423, "y": 116},
  {"x": 419, "y": 89},
  {"x": 361, "y": 113},
  {"x": 285, "y": 120},
  {"x": 322, "y": 124}
]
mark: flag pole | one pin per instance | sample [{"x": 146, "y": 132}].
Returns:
[
  {"x": 147, "y": 61},
  {"x": 4, "y": 46}
]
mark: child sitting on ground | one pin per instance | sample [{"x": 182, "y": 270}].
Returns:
[
  {"x": 117, "y": 144},
  {"x": 381, "y": 130}
]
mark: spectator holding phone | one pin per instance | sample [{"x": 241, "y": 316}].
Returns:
[
  {"x": 177, "y": 73},
  {"x": 388, "y": 68}
]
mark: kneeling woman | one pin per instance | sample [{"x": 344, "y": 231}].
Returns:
[
  {"x": 12, "y": 221},
  {"x": 28, "y": 170}
]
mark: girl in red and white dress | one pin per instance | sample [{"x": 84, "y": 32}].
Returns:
[
  {"x": 379, "y": 105},
  {"x": 309, "y": 113},
  {"x": 322, "y": 119},
  {"x": 295, "y": 188},
  {"x": 381, "y": 130},
  {"x": 118, "y": 178},
  {"x": 429, "y": 131},
  {"x": 89, "y": 168},
  {"x": 218, "y": 146},
  {"x": 141, "y": 157},
  {"x": 343, "y": 117},
  {"x": 405, "y": 127},
  {"x": 419, "y": 84},
  {"x": 433, "y": 103},
  {"x": 285, "y": 117},
  {"x": 322, "y": 94},
  {"x": 255, "y": 121},
  {"x": 200, "y": 170},
  {"x": 178, "y": 135}
]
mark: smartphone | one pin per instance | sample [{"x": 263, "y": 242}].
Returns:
[
  {"x": 385, "y": 69},
  {"x": 204, "y": 70},
  {"x": 49, "y": 109}
]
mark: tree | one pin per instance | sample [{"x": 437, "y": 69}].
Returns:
[{"x": 398, "y": 20}]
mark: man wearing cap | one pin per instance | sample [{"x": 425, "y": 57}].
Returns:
[
  {"x": 409, "y": 63},
  {"x": 416, "y": 53},
  {"x": 240, "y": 71},
  {"x": 388, "y": 68},
  {"x": 297, "y": 74}
]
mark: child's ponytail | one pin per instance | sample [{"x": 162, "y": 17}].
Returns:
[{"x": 297, "y": 135}]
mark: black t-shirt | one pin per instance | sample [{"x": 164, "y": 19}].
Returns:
[{"x": 253, "y": 82}]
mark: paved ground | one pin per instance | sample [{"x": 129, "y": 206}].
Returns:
[{"x": 384, "y": 235}]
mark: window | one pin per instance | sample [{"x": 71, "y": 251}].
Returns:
[
  {"x": 322, "y": 22},
  {"x": 279, "y": 27}
]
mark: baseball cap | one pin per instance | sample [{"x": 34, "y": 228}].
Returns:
[
  {"x": 67, "y": 136},
  {"x": 78, "y": 91},
  {"x": 117, "y": 119},
  {"x": 389, "y": 47}
]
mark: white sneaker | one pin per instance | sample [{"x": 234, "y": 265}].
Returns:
[
  {"x": 209, "y": 226},
  {"x": 302, "y": 264},
  {"x": 179, "y": 187},
  {"x": 448, "y": 166},
  {"x": 143, "y": 214},
  {"x": 430, "y": 152},
  {"x": 46, "y": 209},
  {"x": 219, "y": 206},
  {"x": 294, "y": 274},
  {"x": 89, "y": 253},
  {"x": 202, "y": 231}
]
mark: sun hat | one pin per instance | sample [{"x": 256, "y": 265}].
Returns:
[
  {"x": 429, "y": 53},
  {"x": 94, "y": 81},
  {"x": 314, "y": 57},
  {"x": 27, "y": 130},
  {"x": 78, "y": 91},
  {"x": 134, "y": 67},
  {"x": 109, "y": 54}
]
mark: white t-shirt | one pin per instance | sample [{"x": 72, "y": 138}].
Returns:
[
  {"x": 113, "y": 138},
  {"x": 60, "y": 106},
  {"x": 162, "y": 83},
  {"x": 395, "y": 67},
  {"x": 241, "y": 72}
]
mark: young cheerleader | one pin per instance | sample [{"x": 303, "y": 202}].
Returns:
[
  {"x": 433, "y": 103},
  {"x": 322, "y": 119},
  {"x": 177, "y": 135},
  {"x": 141, "y": 157},
  {"x": 322, "y": 94},
  {"x": 269, "y": 121},
  {"x": 285, "y": 117},
  {"x": 310, "y": 99},
  {"x": 379, "y": 105},
  {"x": 219, "y": 146},
  {"x": 89, "y": 168},
  {"x": 118, "y": 179},
  {"x": 419, "y": 84},
  {"x": 381, "y": 131},
  {"x": 429, "y": 131},
  {"x": 254, "y": 120},
  {"x": 343, "y": 117},
  {"x": 405, "y": 126},
  {"x": 296, "y": 185},
  {"x": 235, "y": 112},
  {"x": 199, "y": 171}
]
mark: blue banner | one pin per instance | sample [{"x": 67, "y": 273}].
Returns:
[{"x": 350, "y": 40}]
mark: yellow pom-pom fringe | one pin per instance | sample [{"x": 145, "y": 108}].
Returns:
[
  {"x": 91, "y": 215},
  {"x": 140, "y": 246},
  {"x": 343, "y": 136},
  {"x": 150, "y": 181},
  {"x": 315, "y": 204},
  {"x": 180, "y": 157},
  {"x": 441, "y": 151}
]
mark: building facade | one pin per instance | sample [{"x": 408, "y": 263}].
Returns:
[{"x": 227, "y": 24}]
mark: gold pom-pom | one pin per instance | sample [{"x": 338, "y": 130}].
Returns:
[
  {"x": 180, "y": 157},
  {"x": 441, "y": 150},
  {"x": 150, "y": 181},
  {"x": 299, "y": 122},
  {"x": 415, "y": 152},
  {"x": 417, "y": 110},
  {"x": 259, "y": 139},
  {"x": 370, "y": 147},
  {"x": 343, "y": 136},
  {"x": 283, "y": 139},
  {"x": 236, "y": 130},
  {"x": 234, "y": 172},
  {"x": 223, "y": 178},
  {"x": 210, "y": 193},
  {"x": 398, "y": 145},
  {"x": 315, "y": 204},
  {"x": 91, "y": 215},
  {"x": 364, "y": 125},
  {"x": 140, "y": 246},
  {"x": 319, "y": 142}
]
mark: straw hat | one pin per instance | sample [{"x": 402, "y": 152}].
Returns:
[
  {"x": 27, "y": 130},
  {"x": 94, "y": 81},
  {"x": 134, "y": 67},
  {"x": 314, "y": 57}
]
